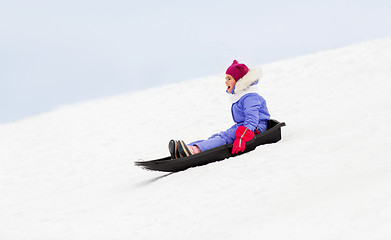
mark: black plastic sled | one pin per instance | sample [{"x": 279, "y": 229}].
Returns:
[{"x": 271, "y": 135}]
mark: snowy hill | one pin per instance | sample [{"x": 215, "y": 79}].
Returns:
[{"x": 69, "y": 174}]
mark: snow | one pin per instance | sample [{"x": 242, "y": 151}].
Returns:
[{"x": 69, "y": 174}]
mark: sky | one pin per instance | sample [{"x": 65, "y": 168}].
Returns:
[{"x": 55, "y": 53}]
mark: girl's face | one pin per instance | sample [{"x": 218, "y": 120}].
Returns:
[{"x": 229, "y": 82}]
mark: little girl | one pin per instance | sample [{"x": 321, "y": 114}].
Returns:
[{"x": 249, "y": 113}]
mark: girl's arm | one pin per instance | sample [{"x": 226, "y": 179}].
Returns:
[{"x": 252, "y": 104}]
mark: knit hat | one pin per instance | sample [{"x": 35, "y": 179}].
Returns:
[{"x": 237, "y": 70}]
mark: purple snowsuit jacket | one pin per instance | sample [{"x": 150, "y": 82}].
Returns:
[{"x": 248, "y": 109}]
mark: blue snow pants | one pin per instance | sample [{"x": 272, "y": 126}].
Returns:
[{"x": 222, "y": 138}]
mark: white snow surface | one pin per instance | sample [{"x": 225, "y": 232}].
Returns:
[{"x": 69, "y": 174}]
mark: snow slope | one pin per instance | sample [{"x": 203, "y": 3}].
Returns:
[{"x": 69, "y": 174}]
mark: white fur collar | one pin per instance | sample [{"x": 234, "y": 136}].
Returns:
[
  {"x": 244, "y": 86},
  {"x": 245, "y": 82},
  {"x": 252, "y": 89}
]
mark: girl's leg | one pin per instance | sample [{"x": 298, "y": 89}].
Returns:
[
  {"x": 216, "y": 140},
  {"x": 195, "y": 149}
]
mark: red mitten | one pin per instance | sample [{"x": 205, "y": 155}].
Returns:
[{"x": 243, "y": 135}]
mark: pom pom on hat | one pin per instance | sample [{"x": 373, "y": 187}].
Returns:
[{"x": 237, "y": 70}]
